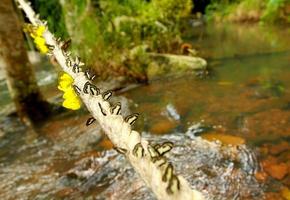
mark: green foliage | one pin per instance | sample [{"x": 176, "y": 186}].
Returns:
[
  {"x": 268, "y": 11},
  {"x": 105, "y": 31},
  {"x": 273, "y": 10},
  {"x": 51, "y": 11}
]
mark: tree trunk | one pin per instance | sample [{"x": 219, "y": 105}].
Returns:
[{"x": 20, "y": 76}]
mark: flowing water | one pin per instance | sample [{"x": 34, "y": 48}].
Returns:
[{"x": 243, "y": 101}]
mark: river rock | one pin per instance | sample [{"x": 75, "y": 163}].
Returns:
[
  {"x": 106, "y": 144},
  {"x": 286, "y": 193},
  {"x": 162, "y": 64},
  {"x": 261, "y": 176},
  {"x": 224, "y": 138},
  {"x": 279, "y": 148},
  {"x": 277, "y": 171},
  {"x": 163, "y": 126}
]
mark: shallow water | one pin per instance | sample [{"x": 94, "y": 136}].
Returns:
[{"x": 245, "y": 95}]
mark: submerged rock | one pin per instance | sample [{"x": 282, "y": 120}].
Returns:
[
  {"x": 218, "y": 171},
  {"x": 277, "y": 171},
  {"x": 66, "y": 165},
  {"x": 163, "y": 126},
  {"x": 286, "y": 193},
  {"x": 224, "y": 138}
]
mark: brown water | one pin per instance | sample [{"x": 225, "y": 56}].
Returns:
[{"x": 244, "y": 101}]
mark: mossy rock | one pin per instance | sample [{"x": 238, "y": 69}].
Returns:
[{"x": 164, "y": 64}]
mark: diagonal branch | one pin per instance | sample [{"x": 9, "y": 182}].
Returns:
[{"x": 146, "y": 159}]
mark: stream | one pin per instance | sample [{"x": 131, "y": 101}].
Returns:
[{"x": 230, "y": 128}]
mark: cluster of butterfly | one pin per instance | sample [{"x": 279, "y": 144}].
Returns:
[
  {"x": 89, "y": 88},
  {"x": 156, "y": 151}
]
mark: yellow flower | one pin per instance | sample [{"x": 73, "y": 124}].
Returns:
[
  {"x": 65, "y": 82},
  {"x": 73, "y": 105},
  {"x": 71, "y": 100},
  {"x": 69, "y": 94},
  {"x": 39, "y": 41},
  {"x": 36, "y": 31},
  {"x": 40, "y": 30},
  {"x": 40, "y": 44},
  {"x": 37, "y": 34},
  {"x": 43, "y": 49}
]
